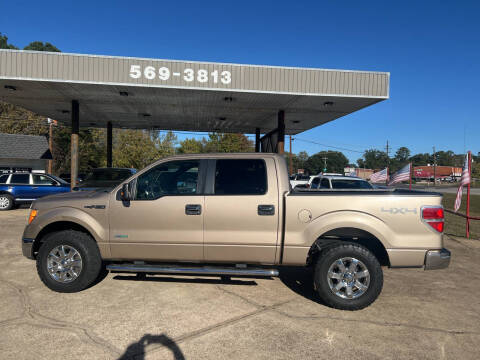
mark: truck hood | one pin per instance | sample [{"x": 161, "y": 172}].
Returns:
[{"x": 76, "y": 199}]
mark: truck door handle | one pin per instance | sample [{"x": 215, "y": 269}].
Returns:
[
  {"x": 193, "y": 209},
  {"x": 266, "y": 209}
]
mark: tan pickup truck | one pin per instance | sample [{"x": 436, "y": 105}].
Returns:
[{"x": 235, "y": 215}]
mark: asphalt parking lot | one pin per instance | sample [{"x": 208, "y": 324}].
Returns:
[{"x": 419, "y": 315}]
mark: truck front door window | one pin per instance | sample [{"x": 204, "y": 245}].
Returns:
[{"x": 171, "y": 178}]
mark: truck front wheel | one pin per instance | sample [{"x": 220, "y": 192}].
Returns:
[
  {"x": 348, "y": 277},
  {"x": 68, "y": 261}
]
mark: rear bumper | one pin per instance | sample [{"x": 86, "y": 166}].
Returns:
[
  {"x": 27, "y": 248},
  {"x": 437, "y": 259}
]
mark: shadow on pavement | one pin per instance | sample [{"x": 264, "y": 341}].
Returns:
[
  {"x": 300, "y": 281},
  {"x": 137, "y": 349},
  {"x": 157, "y": 278}
]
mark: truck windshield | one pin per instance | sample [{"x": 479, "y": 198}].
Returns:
[{"x": 350, "y": 184}]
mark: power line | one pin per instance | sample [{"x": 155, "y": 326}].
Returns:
[{"x": 329, "y": 146}]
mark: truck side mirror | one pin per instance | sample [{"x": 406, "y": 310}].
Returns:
[{"x": 125, "y": 193}]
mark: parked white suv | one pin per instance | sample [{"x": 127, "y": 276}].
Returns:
[{"x": 339, "y": 182}]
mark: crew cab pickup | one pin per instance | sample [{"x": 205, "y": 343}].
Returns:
[{"x": 235, "y": 215}]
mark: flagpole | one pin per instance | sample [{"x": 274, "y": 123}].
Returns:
[
  {"x": 468, "y": 193},
  {"x": 410, "y": 181}
]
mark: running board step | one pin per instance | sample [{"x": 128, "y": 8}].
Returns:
[{"x": 186, "y": 270}]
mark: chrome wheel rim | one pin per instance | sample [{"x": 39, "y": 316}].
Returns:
[
  {"x": 64, "y": 263},
  {"x": 348, "y": 278},
  {"x": 4, "y": 202}
]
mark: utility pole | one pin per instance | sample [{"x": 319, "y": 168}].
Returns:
[
  {"x": 388, "y": 157},
  {"x": 434, "y": 167},
  {"x": 324, "y": 164},
  {"x": 290, "y": 160},
  {"x": 388, "y": 164}
]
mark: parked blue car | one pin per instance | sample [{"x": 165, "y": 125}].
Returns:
[{"x": 20, "y": 188}]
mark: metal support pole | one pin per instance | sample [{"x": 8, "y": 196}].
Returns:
[
  {"x": 257, "y": 140},
  {"x": 290, "y": 162},
  {"x": 109, "y": 143},
  {"x": 74, "y": 144},
  {"x": 50, "y": 145},
  {"x": 281, "y": 132},
  {"x": 467, "y": 227}
]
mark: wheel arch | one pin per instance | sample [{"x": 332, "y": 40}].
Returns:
[
  {"x": 55, "y": 227},
  {"x": 348, "y": 235}
]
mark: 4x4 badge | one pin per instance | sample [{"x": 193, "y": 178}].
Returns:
[{"x": 402, "y": 211}]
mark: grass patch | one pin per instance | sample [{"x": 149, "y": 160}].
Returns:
[{"x": 455, "y": 225}]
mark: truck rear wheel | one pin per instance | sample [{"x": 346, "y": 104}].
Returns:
[
  {"x": 68, "y": 261},
  {"x": 348, "y": 277}
]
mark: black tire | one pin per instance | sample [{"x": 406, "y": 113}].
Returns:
[
  {"x": 341, "y": 251},
  {"x": 9, "y": 202},
  {"x": 90, "y": 256}
]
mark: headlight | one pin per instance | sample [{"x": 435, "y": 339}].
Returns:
[{"x": 33, "y": 215}]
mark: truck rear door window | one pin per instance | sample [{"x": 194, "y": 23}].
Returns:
[
  {"x": 20, "y": 179},
  {"x": 3, "y": 179},
  {"x": 240, "y": 177}
]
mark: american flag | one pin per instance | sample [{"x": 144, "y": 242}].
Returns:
[
  {"x": 465, "y": 180},
  {"x": 380, "y": 176},
  {"x": 401, "y": 175}
]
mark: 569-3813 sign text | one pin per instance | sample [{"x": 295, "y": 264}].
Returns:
[{"x": 188, "y": 75}]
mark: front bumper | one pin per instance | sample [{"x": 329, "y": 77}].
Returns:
[
  {"x": 437, "y": 259},
  {"x": 27, "y": 248}
]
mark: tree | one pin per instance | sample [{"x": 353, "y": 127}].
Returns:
[
  {"x": 224, "y": 143},
  {"x": 336, "y": 162},
  {"x": 4, "y": 43},
  {"x": 402, "y": 155},
  {"x": 421, "y": 159},
  {"x": 373, "y": 159},
  {"x": 40, "y": 46},
  {"x": 191, "y": 146},
  {"x": 299, "y": 160},
  {"x": 446, "y": 158}
]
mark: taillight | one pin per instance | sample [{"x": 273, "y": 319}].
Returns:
[{"x": 434, "y": 216}]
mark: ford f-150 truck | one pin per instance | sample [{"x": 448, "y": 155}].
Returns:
[{"x": 235, "y": 215}]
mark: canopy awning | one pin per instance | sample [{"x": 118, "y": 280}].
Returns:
[{"x": 183, "y": 95}]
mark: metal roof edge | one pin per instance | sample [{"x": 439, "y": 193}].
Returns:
[
  {"x": 193, "y": 88},
  {"x": 193, "y": 61}
]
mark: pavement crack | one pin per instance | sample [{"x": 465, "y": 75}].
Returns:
[
  {"x": 378, "y": 323},
  {"x": 31, "y": 317},
  {"x": 244, "y": 299},
  {"x": 215, "y": 327}
]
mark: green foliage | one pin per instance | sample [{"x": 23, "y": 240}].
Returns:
[
  {"x": 299, "y": 160},
  {"x": 139, "y": 148},
  {"x": 217, "y": 142},
  {"x": 40, "y": 46},
  {"x": 373, "y": 159},
  {"x": 402, "y": 155},
  {"x": 336, "y": 162},
  {"x": 191, "y": 146},
  {"x": 4, "y": 43},
  {"x": 225, "y": 143}
]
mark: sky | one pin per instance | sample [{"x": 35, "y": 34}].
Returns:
[{"x": 430, "y": 48}]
